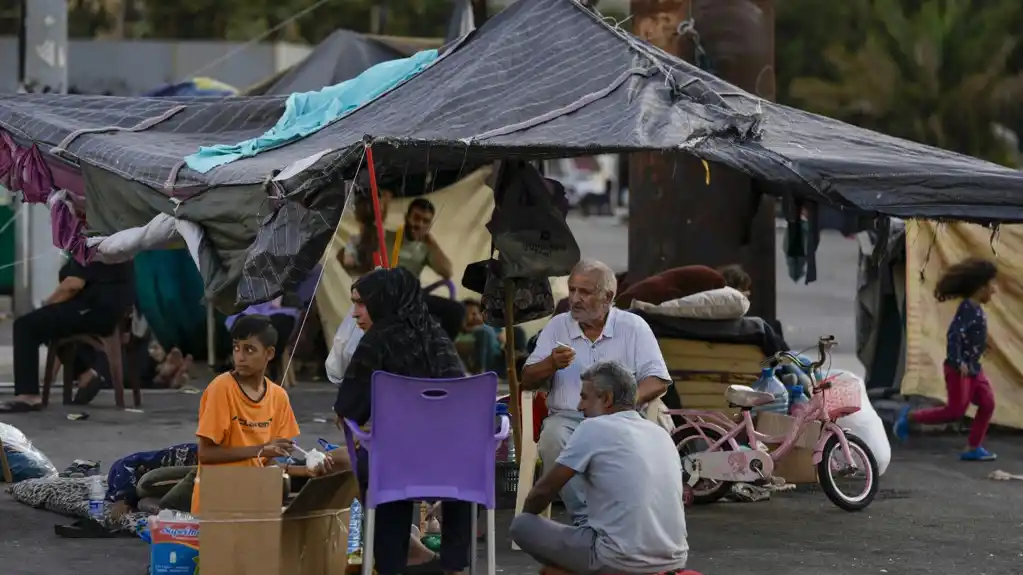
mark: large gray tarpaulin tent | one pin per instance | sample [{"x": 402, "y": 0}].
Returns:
[
  {"x": 542, "y": 79},
  {"x": 341, "y": 56}
]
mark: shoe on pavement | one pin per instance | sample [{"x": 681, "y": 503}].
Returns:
[
  {"x": 900, "y": 429},
  {"x": 977, "y": 454}
]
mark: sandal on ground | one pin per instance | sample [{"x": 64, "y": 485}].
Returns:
[
  {"x": 83, "y": 529},
  {"x": 84, "y": 395},
  {"x": 19, "y": 407}
]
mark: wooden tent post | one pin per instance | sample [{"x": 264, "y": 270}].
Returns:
[{"x": 514, "y": 397}]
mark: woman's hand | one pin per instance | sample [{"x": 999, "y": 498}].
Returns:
[{"x": 964, "y": 370}]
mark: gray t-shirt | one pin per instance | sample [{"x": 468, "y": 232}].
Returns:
[{"x": 633, "y": 481}]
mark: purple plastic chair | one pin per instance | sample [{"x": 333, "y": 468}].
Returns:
[{"x": 431, "y": 439}]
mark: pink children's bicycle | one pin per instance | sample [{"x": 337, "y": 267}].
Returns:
[{"x": 713, "y": 458}]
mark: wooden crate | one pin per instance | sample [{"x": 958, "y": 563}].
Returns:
[{"x": 702, "y": 371}]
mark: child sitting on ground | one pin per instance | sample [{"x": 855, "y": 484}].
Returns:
[
  {"x": 973, "y": 281},
  {"x": 244, "y": 418}
]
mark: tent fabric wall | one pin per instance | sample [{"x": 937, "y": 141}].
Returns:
[
  {"x": 463, "y": 210},
  {"x": 930, "y": 248}
]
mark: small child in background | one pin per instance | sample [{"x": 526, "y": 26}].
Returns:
[{"x": 973, "y": 281}]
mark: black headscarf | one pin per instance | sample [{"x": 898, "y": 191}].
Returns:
[{"x": 404, "y": 340}]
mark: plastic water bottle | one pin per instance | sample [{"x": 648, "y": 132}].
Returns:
[
  {"x": 770, "y": 384},
  {"x": 97, "y": 499},
  {"x": 800, "y": 403},
  {"x": 354, "y": 527}
]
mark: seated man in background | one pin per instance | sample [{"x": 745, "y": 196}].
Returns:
[
  {"x": 632, "y": 478},
  {"x": 592, "y": 331},
  {"x": 90, "y": 299},
  {"x": 487, "y": 342},
  {"x": 419, "y": 250}
]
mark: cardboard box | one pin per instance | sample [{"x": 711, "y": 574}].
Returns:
[
  {"x": 245, "y": 529},
  {"x": 797, "y": 465}
]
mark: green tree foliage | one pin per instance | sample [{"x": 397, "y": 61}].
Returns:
[{"x": 934, "y": 71}]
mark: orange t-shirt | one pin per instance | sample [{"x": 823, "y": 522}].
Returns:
[{"x": 229, "y": 418}]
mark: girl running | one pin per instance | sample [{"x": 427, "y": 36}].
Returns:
[{"x": 973, "y": 281}]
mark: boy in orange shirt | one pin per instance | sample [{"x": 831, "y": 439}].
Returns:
[{"x": 244, "y": 418}]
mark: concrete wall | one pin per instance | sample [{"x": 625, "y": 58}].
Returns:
[{"x": 127, "y": 67}]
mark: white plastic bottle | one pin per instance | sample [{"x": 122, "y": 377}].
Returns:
[{"x": 97, "y": 498}]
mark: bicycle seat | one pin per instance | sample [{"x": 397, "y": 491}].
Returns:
[{"x": 746, "y": 396}]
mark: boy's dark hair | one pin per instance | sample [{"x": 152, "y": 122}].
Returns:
[
  {"x": 421, "y": 204},
  {"x": 469, "y": 302},
  {"x": 254, "y": 326},
  {"x": 736, "y": 277},
  {"x": 965, "y": 279}
]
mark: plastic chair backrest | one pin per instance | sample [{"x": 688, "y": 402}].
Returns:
[
  {"x": 432, "y": 439},
  {"x": 450, "y": 285}
]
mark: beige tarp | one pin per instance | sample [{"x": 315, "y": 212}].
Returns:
[
  {"x": 931, "y": 248},
  {"x": 463, "y": 210}
]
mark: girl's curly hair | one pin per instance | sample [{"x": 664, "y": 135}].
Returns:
[{"x": 965, "y": 279}]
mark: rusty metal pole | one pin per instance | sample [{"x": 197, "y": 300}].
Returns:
[{"x": 675, "y": 217}]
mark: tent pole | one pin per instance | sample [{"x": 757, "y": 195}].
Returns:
[
  {"x": 514, "y": 398},
  {"x": 375, "y": 193}
]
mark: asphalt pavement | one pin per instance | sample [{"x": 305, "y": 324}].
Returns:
[{"x": 934, "y": 514}]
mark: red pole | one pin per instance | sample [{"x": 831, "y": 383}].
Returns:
[{"x": 375, "y": 194}]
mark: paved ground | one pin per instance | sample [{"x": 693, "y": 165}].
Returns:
[{"x": 935, "y": 514}]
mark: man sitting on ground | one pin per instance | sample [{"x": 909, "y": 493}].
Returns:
[{"x": 632, "y": 478}]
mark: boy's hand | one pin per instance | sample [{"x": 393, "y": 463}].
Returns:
[{"x": 277, "y": 448}]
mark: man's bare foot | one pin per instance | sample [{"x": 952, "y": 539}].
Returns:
[
  {"x": 22, "y": 403},
  {"x": 29, "y": 399},
  {"x": 181, "y": 377},
  {"x": 166, "y": 371}
]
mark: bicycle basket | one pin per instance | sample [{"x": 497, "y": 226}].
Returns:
[{"x": 841, "y": 395}]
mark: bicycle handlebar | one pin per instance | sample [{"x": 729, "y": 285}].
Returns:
[{"x": 824, "y": 345}]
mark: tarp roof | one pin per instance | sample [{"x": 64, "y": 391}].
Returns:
[{"x": 541, "y": 79}]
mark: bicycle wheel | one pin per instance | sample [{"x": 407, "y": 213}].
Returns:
[
  {"x": 834, "y": 470},
  {"x": 689, "y": 441}
]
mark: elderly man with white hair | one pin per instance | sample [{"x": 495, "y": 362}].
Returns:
[
  {"x": 591, "y": 331},
  {"x": 633, "y": 479}
]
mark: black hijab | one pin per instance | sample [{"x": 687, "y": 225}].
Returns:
[{"x": 404, "y": 340}]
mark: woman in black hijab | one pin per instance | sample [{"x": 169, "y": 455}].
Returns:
[{"x": 400, "y": 338}]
